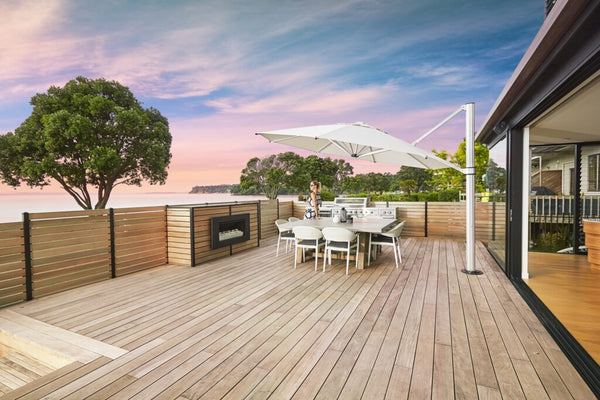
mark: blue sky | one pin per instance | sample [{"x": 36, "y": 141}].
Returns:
[{"x": 222, "y": 70}]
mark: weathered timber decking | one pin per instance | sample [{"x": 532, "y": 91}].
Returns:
[{"x": 250, "y": 326}]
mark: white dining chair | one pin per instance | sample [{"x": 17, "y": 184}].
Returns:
[
  {"x": 292, "y": 219},
  {"x": 389, "y": 238},
  {"x": 284, "y": 234},
  {"x": 340, "y": 239},
  {"x": 307, "y": 237}
]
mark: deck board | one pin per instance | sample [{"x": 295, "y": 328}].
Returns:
[{"x": 250, "y": 326}]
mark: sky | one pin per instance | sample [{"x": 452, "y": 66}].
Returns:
[{"x": 222, "y": 70}]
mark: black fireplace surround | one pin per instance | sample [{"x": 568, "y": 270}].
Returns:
[{"x": 229, "y": 229}]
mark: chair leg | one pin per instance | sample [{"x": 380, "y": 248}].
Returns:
[
  {"x": 295, "y": 256},
  {"x": 325, "y": 256},
  {"x": 395, "y": 251},
  {"x": 317, "y": 257},
  {"x": 369, "y": 253},
  {"x": 278, "y": 241},
  {"x": 358, "y": 247},
  {"x": 347, "y": 258},
  {"x": 399, "y": 250}
]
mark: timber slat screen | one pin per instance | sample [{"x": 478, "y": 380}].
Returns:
[
  {"x": 140, "y": 239},
  {"x": 189, "y": 227},
  {"x": 202, "y": 216},
  {"x": 412, "y": 213},
  {"x": 179, "y": 235},
  {"x": 12, "y": 264},
  {"x": 69, "y": 249},
  {"x": 269, "y": 212}
]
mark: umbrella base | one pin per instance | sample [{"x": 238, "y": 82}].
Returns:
[{"x": 474, "y": 272}]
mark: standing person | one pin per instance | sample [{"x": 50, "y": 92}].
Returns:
[{"x": 314, "y": 201}]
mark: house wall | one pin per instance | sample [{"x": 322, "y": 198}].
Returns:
[
  {"x": 586, "y": 152},
  {"x": 555, "y": 171}
]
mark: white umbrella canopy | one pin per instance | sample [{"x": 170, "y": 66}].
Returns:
[{"x": 359, "y": 141}]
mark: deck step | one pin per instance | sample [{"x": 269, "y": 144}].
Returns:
[{"x": 30, "y": 349}]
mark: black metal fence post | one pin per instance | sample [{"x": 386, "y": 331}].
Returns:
[
  {"x": 113, "y": 256},
  {"x": 426, "y": 220},
  {"x": 258, "y": 213},
  {"x": 28, "y": 267},
  {"x": 192, "y": 237},
  {"x": 493, "y": 219}
]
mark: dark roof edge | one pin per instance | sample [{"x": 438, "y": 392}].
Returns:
[{"x": 557, "y": 23}]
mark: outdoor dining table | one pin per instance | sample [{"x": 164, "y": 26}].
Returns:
[{"x": 362, "y": 226}]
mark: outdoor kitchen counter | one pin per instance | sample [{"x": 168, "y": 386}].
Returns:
[{"x": 363, "y": 226}]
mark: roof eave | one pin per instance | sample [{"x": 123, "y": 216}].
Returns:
[{"x": 555, "y": 26}]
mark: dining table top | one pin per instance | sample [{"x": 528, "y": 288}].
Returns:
[{"x": 365, "y": 224}]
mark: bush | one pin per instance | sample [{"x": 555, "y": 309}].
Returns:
[
  {"x": 449, "y": 195},
  {"x": 435, "y": 196},
  {"x": 388, "y": 197},
  {"x": 444, "y": 195},
  {"x": 327, "y": 196}
]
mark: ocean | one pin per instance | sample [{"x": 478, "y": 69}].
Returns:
[{"x": 13, "y": 205}]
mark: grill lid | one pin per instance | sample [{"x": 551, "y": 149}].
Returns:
[{"x": 350, "y": 202}]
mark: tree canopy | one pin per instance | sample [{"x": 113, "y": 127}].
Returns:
[
  {"x": 88, "y": 134},
  {"x": 452, "y": 179},
  {"x": 272, "y": 174},
  {"x": 289, "y": 172}
]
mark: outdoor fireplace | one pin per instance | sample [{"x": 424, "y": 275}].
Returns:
[{"x": 229, "y": 229}]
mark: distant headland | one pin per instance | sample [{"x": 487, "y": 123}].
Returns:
[{"x": 212, "y": 189}]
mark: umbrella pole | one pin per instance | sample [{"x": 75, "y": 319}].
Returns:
[{"x": 469, "y": 171}]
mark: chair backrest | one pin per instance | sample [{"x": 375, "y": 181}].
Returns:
[
  {"x": 307, "y": 233},
  {"x": 338, "y": 234},
  {"x": 279, "y": 223},
  {"x": 395, "y": 231},
  {"x": 292, "y": 219}
]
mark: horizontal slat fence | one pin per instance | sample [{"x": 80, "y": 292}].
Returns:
[
  {"x": 139, "y": 239},
  {"x": 179, "y": 234},
  {"x": 271, "y": 210},
  {"x": 12, "y": 264},
  {"x": 412, "y": 213},
  {"x": 286, "y": 209},
  {"x": 68, "y": 249},
  {"x": 435, "y": 219},
  {"x": 441, "y": 219}
]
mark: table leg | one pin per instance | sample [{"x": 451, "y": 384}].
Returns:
[{"x": 363, "y": 250}]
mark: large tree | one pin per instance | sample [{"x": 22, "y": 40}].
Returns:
[
  {"x": 419, "y": 176},
  {"x": 90, "y": 134},
  {"x": 266, "y": 175},
  {"x": 290, "y": 171}
]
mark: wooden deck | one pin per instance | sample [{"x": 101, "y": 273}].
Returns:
[
  {"x": 250, "y": 326},
  {"x": 570, "y": 288}
]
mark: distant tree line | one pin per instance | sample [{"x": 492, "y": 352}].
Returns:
[{"x": 286, "y": 173}]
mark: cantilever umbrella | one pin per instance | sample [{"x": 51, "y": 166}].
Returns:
[
  {"x": 362, "y": 141},
  {"x": 358, "y": 141}
]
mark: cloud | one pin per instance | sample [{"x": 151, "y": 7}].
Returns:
[{"x": 225, "y": 69}]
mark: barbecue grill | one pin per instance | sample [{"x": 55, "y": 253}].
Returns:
[{"x": 356, "y": 207}]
